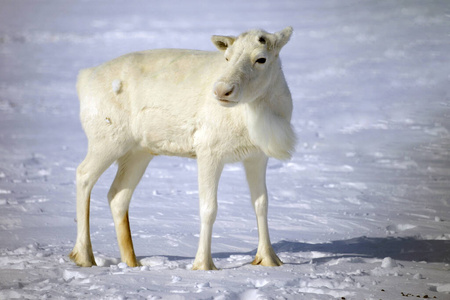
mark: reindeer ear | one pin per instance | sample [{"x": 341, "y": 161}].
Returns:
[
  {"x": 222, "y": 42},
  {"x": 282, "y": 37}
]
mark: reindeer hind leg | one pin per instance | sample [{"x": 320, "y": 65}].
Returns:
[
  {"x": 130, "y": 170},
  {"x": 88, "y": 172}
]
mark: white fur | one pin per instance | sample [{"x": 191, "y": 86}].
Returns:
[{"x": 219, "y": 107}]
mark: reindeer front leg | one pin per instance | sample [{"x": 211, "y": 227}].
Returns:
[
  {"x": 255, "y": 168},
  {"x": 209, "y": 171}
]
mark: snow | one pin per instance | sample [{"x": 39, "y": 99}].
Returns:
[
  {"x": 116, "y": 86},
  {"x": 362, "y": 211}
]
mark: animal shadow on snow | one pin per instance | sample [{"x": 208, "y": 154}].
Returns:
[{"x": 405, "y": 249}]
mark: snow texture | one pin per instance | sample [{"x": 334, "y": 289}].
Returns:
[{"x": 362, "y": 211}]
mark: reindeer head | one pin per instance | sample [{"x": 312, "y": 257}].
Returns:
[{"x": 252, "y": 62}]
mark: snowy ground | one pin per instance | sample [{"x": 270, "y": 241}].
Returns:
[{"x": 362, "y": 211}]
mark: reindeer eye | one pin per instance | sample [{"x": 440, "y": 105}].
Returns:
[
  {"x": 226, "y": 59},
  {"x": 261, "y": 60}
]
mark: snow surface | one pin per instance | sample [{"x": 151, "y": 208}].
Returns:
[{"x": 362, "y": 211}]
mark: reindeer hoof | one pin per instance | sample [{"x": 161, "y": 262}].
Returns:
[
  {"x": 271, "y": 260},
  {"x": 133, "y": 264},
  {"x": 82, "y": 258},
  {"x": 205, "y": 266}
]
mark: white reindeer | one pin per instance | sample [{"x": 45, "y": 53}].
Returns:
[{"x": 218, "y": 107}]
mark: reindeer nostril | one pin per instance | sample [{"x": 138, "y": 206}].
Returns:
[
  {"x": 224, "y": 91},
  {"x": 230, "y": 91}
]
